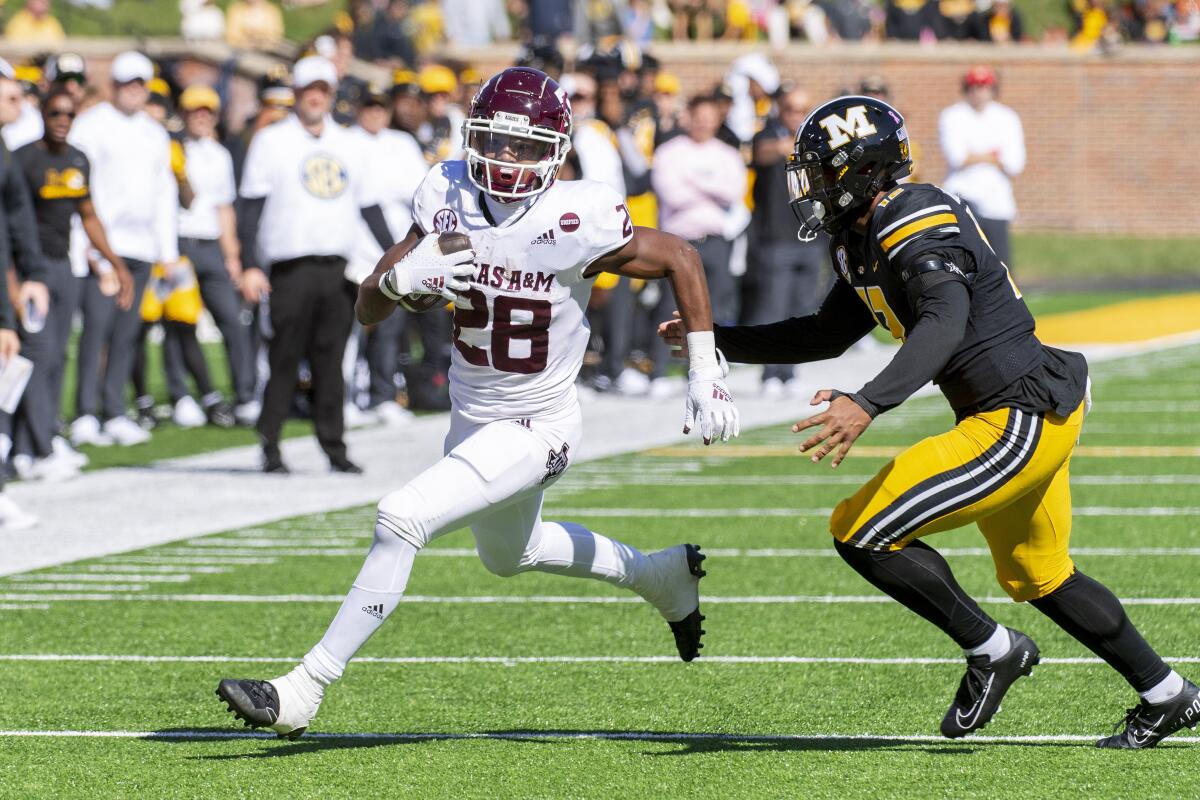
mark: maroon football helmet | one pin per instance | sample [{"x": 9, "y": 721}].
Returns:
[{"x": 518, "y": 134}]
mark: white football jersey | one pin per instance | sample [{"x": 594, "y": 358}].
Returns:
[{"x": 521, "y": 331}]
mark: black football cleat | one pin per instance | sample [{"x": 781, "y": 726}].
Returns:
[
  {"x": 1146, "y": 725},
  {"x": 273, "y": 462},
  {"x": 256, "y": 703},
  {"x": 985, "y": 684},
  {"x": 687, "y": 630},
  {"x": 345, "y": 466}
]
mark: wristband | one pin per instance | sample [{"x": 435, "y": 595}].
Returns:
[
  {"x": 702, "y": 350},
  {"x": 386, "y": 287}
]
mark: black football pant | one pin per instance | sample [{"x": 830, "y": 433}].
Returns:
[
  {"x": 312, "y": 311},
  {"x": 34, "y": 422}
]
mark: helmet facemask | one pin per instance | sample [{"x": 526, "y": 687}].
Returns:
[{"x": 511, "y": 160}]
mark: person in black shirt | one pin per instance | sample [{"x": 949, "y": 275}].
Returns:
[
  {"x": 58, "y": 176},
  {"x": 782, "y": 273},
  {"x": 913, "y": 259}
]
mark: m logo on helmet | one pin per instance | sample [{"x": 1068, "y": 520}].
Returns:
[{"x": 841, "y": 129}]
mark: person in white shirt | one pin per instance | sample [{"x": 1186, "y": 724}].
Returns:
[
  {"x": 397, "y": 167},
  {"x": 137, "y": 200},
  {"x": 208, "y": 238},
  {"x": 984, "y": 145},
  {"x": 303, "y": 190}
]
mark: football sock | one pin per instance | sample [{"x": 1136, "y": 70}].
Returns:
[
  {"x": 374, "y": 595},
  {"x": 917, "y": 577},
  {"x": 1166, "y": 689},
  {"x": 1087, "y": 610},
  {"x": 997, "y": 645}
]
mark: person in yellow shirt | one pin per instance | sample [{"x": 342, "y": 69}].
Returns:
[
  {"x": 253, "y": 24},
  {"x": 34, "y": 24}
]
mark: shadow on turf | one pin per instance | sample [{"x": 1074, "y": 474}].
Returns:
[{"x": 689, "y": 743}]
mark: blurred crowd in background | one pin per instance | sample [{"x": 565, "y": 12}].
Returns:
[
  {"x": 405, "y": 31},
  {"x": 708, "y": 167}
]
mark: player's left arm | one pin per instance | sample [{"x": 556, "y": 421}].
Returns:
[
  {"x": 652, "y": 254},
  {"x": 941, "y": 299}
]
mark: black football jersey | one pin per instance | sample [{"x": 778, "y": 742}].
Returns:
[{"x": 919, "y": 234}]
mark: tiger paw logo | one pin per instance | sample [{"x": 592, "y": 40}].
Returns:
[
  {"x": 556, "y": 463},
  {"x": 324, "y": 176}
]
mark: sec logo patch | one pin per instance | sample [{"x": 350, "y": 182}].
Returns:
[
  {"x": 568, "y": 222},
  {"x": 324, "y": 176},
  {"x": 445, "y": 220}
]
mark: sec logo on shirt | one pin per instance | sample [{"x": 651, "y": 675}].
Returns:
[{"x": 324, "y": 176}]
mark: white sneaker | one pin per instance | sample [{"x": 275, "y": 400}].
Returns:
[
  {"x": 55, "y": 468},
  {"x": 12, "y": 518},
  {"x": 188, "y": 414},
  {"x": 393, "y": 414},
  {"x": 773, "y": 389},
  {"x": 632, "y": 382},
  {"x": 662, "y": 388},
  {"x": 674, "y": 587},
  {"x": 22, "y": 464},
  {"x": 63, "y": 449},
  {"x": 125, "y": 431},
  {"x": 247, "y": 413},
  {"x": 87, "y": 430},
  {"x": 355, "y": 417}
]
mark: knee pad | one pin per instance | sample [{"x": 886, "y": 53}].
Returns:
[
  {"x": 398, "y": 515},
  {"x": 500, "y": 561}
]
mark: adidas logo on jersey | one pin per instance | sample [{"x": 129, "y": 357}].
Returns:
[
  {"x": 545, "y": 238},
  {"x": 375, "y": 610}
]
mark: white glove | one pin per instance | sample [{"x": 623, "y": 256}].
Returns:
[
  {"x": 709, "y": 401},
  {"x": 425, "y": 270}
]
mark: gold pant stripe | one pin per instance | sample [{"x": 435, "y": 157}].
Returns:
[{"x": 1024, "y": 513}]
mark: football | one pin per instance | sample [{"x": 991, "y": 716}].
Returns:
[{"x": 448, "y": 242}]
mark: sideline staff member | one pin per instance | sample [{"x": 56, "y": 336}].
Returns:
[{"x": 308, "y": 219}]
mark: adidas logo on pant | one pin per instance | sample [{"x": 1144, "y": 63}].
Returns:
[
  {"x": 374, "y": 610},
  {"x": 545, "y": 238}
]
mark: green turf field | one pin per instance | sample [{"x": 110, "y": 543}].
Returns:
[{"x": 541, "y": 686}]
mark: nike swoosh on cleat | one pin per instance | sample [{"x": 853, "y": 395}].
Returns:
[
  {"x": 967, "y": 720},
  {"x": 1149, "y": 732}
]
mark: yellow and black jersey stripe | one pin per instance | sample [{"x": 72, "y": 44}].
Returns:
[{"x": 933, "y": 219}]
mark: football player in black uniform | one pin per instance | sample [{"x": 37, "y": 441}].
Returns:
[{"x": 913, "y": 259}]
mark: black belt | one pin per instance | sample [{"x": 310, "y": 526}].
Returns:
[
  {"x": 195, "y": 240},
  {"x": 331, "y": 260}
]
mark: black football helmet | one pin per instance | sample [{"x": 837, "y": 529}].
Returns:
[{"x": 847, "y": 151}]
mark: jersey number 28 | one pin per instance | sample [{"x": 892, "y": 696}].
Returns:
[{"x": 505, "y": 331}]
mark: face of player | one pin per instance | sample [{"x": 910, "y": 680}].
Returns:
[
  {"x": 314, "y": 102},
  {"x": 200, "y": 123},
  {"x": 10, "y": 101},
  {"x": 373, "y": 118},
  {"x": 512, "y": 160},
  {"x": 57, "y": 117},
  {"x": 129, "y": 98}
]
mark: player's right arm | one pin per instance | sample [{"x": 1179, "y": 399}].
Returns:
[
  {"x": 841, "y": 321},
  {"x": 373, "y": 306},
  {"x": 415, "y": 265}
]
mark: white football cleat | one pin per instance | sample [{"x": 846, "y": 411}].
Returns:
[
  {"x": 247, "y": 413},
  {"x": 393, "y": 415},
  {"x": 354, "y": 417},
  {"x": 55, "y": 468},
  {"x": 125, "y": 431},
  {"x": 286, "y": 705},
  {"x": 675, "y": 591},
  {"x": 63, "y": 449}
]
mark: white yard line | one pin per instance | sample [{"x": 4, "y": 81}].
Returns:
[
  {"x": 82, "y": 592},
  {"x": 618, "y": 736},
  {"x": 514, "y": 660},
  {"x": 700, "y": 513},
  {"x": 84, "y": 577},
  {"x": 24, "y": 606}
]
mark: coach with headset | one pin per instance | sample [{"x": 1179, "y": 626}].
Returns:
[{"x": 303, "y": 190}]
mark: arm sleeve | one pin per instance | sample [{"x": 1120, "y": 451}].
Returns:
[
  {"x": 373, "y": 216},
  {"x": 22, "y": 226},
  {"x": 942, "y": 307},
  {"x": 249, "y": 213},
  {"x": 840, "y": 322},
  {"x": 1012, "y": 154}
]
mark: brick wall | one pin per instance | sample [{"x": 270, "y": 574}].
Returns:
[{"x": 1113, "y": 142}]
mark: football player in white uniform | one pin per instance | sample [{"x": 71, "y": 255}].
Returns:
[{"x": 520, "y": 292}]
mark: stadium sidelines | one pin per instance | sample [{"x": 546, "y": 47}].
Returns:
[
  {"x": 515, "y": 660},
  {"x": 620, "y": 736}
]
